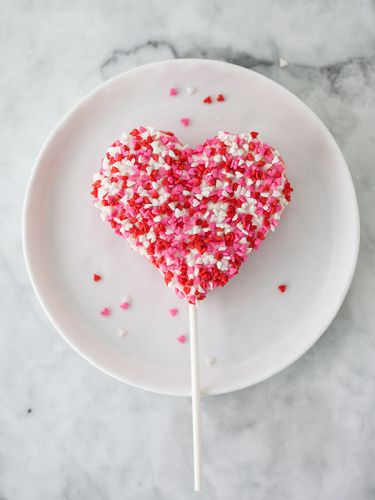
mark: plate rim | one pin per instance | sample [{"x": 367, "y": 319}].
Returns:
[{"x": 230, "y": 387}]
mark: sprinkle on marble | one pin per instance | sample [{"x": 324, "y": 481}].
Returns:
[
  {"x": 185, "y": 122},
  {"x": 220, "y": 98},
  {"x": 282, "y": 288},
  {"x": 173, "y": 91},
  {"x": 190, "y": 90},
  {"x": 173, "y": 312},
  {"x": 194, "y": 213},
  {"x": 207, "y": 100},
  {"x": 181, "y": 339},
  {"x": 209, "y": 360},
  {"x": 283, "y": 63},
  {"x": 121, "y": 332},
  {"x": 105, "y": 312},
  {"x": 96, "y": 277}
]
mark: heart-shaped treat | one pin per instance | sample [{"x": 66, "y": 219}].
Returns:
[{"x": 195, "y": 213}]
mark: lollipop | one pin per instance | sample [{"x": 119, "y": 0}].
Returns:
[{"x": 194, "y": 213}]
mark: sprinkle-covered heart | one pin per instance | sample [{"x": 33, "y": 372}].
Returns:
[{"x": 195, "y": 213}]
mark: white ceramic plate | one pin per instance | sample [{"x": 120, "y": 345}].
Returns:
[{"x": 249, "y": 327}]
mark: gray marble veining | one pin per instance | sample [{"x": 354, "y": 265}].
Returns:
[{"x": 69, "y": 432}]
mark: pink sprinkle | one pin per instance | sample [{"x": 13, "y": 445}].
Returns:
[
  {"x": 185, "y": 121},
  {"x": 105, "y": 312},
  {"x": 181, "y": 339},
  {"x": 125, "y": 305},
  {"x": 173, "y": 91},
  {"x": 173, "y": 312}
]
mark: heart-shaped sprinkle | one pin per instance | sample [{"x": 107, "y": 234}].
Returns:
[
  {"x": 209, "y": 360},
  {"x": 195, "y": 213},
  {"x": 181, "y": 339},
  {"x": 125, "y": 304},
  {"x": 173, "y": 311},
  {"x": 96, "y": 277},
  {"x": 105, "y": 312}
]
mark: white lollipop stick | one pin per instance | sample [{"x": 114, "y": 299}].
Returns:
[{"x": 195, "y": 397}]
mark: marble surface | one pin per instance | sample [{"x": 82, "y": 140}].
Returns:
[{"x": 69, "y": 432}]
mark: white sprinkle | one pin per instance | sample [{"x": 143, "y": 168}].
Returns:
[
  {"x": 189, "y": 90},
  {"x": 121, "y": 332},
  {"x": 283, "y": 63},
  {"x": 209, "y": 360}
]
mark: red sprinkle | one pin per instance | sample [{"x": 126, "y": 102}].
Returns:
[
  {"x": 207, "y": 100},
  {"x": 181, "y": 339},
  {"x": 105, "y": 312},
  {"x": 254, "y": 135},
  {"x": 96, "y": 277},
  {"x": 282, "y": 288},
  {"x": 220, "y": 98}
]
